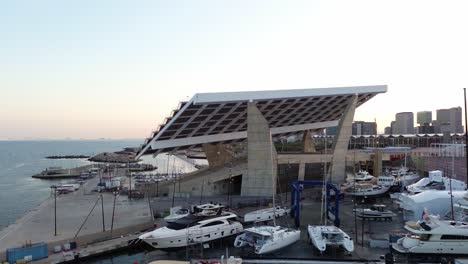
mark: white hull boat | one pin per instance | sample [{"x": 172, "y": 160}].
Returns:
[
  {"x": 363, "y": 190},
  {"x": 375, "y": 211},
  {"x": 267, "y": 214},
  {"x": 184, "y": 232},
  {"x": 433, "y": 236},
  {"x": 267, "y": 239},
  {"x": 436, "y": 181},
  {"x": 71, "y": 187},
  {"x": 323, "y": 236},
  {"x": 360, "y": 176}
]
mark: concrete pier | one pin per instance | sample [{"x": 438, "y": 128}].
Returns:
[{"x": 72, "y": 209}]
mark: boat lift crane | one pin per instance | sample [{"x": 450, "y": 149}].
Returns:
[{"x": 332, "y": 210}]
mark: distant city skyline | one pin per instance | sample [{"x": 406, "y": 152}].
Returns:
[{"x": 110, "y": 69}]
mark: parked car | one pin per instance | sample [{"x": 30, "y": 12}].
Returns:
[{"x": 136, "y": 195}]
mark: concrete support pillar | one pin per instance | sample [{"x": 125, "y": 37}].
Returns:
[
  {"x": 301, "y": 175},
  {"x": 217, "y": 154},
  {"x": 308, "y": 143},
  {"x": 261, "y": 156},
  {"x": 340, "y": 145},
  {"x": 377, "y": 162}
]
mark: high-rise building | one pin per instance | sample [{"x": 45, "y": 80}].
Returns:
[
  {"x": 424, "y": 117},
  {"x": 404, "y": 123},
  {"x": 392, "y": 127},
  {"x": 450, "y": 120},
  {"x": 364, "y": 128},
  {"x": 388, "y": 130}
]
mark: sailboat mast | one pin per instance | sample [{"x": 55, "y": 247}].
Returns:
[{"x": 451, "y": 194}]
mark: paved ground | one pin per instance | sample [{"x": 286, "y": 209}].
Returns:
[
  {"x": 72, "y": 209},
  {"x": 310, "y": 214}
]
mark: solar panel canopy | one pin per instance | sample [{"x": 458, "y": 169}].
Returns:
[{"x": 222, "y": 117}]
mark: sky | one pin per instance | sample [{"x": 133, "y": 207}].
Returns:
[{"x": 115, "y": 69}]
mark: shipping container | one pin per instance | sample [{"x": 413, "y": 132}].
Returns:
[{"x": 36, "y": 251}]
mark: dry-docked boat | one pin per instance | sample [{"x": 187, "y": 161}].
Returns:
[
  {"x": 267, "y": 214},
  {"x": 266, "y": 239},
  {"x": 192, "y": 230},
  {"x": 434, "y": 236},
  {"x": 323, "y": 236}
]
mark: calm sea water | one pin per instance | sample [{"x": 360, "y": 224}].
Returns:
[{"x": 19, "y": 160}]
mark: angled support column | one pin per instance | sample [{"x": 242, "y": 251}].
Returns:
[
  {"x": 340, "y": 145},
  {"x": 261, "y": 156},
  {"x": 308, "y": 143}
]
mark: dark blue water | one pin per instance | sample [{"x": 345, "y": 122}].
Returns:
[{"x": 19, "y": 160}]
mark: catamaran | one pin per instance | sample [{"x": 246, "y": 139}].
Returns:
[{"x": 323, "y": 236}]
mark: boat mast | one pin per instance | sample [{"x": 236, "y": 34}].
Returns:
[{"x": 452, "y": 174}]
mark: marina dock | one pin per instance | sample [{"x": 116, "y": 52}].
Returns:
[
  {"x": 131, "y": 216},
  {"x": 60, "y": 173}
]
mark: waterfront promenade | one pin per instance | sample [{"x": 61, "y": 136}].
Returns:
[{"x": 72, "y": 209}]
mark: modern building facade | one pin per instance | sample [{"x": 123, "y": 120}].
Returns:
[
  {"x": 424, "y": 118},
  {"x": 364, "y": 128},
  {"x": 216, "y": 123},
  {"x": 404, "y": 123},
  {"x": 450, "y": 120}
]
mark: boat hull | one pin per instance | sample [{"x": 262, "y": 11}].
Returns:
[
  {"x": 428, "y": 247},
  {"x": 316, "y": 239},
  {"x": 168, "y": 240}
]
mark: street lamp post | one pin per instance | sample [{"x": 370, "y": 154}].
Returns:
[
  {"x": 54, "y": 187},
  {"x": 466, "y": 136},
  {"x": 229, "y": 188}
]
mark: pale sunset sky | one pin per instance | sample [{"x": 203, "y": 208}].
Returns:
[{"x": 115, "y": 69}]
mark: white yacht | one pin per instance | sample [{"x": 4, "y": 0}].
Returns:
[
  {"x": 266, "y": 239},
  {"x": 69, "y": 187},
  {"x": 361, "y": 175},
  {"x": 366, "y": 189},
  {"x": 191, "y": 230},
  {"x": 435, "y": 181},
  {"x": 375, "y": 211},
  {"x": 266, "y": 214},
  {"x": 323, "y": 236},
  {"x": 433, "y": 236}
]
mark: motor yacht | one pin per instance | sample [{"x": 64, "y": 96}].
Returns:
[
  {"x": 375, "y": 211},
  {"x": 361, "y": 175},
  {"x": 192, "y": 230},
  {"x": 434, "y": 236},
  {"x": 435, "y": 181},
  {"x": 365, "y": 189}
]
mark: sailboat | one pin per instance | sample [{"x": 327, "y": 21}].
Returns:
[{"x": 266, "y": 239}]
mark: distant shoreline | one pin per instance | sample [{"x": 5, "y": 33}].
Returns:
[{"x": 69, "y": 157}]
